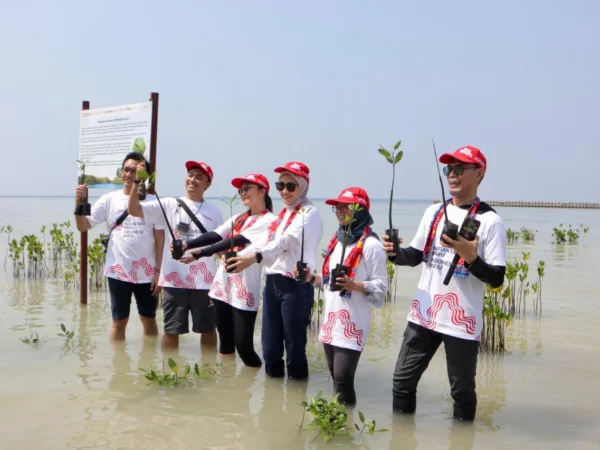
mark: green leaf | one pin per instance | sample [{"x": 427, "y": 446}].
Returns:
[
  {"x": 357, "y": 427},
  {"x": 387, "y": 155},
  {"x": 62, "y": 326},
  {"x": 196, "y": 370},
  {"x": 383, "y": 429},
  {"x": 142, "y": 174},
  {"x": 172, "y": 364},
  {"x": 361, "y": 416},
  {"x": 397, "y": 145},
  {"x": 398, "y": 157}
]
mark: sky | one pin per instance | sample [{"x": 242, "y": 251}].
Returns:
[{"x": 248, "y": 85}]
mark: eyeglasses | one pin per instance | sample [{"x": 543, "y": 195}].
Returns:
[
  {"x": 340, "y": 207},
  {"x": 458, "y": 169},
  {"x": 280, "y": 186},
  {"x": 132, "y": 170},
  {"x": 245, "y": 188}
]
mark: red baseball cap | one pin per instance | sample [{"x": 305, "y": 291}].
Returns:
[
  {"x": 350, "y": 196},
  {"x": 468, "y": 154},
  {"x": 202, "y": 166},
  {"x": 255, "y": 178},
  {"x": 297, "y": 168}
]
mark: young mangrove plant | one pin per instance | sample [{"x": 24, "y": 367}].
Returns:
[
  {"x": 32, "y": 339},
  {"x": 562, "y": 235},
  {"x": 6, "y": 229},
  {"x": 496, "y": 319},
  {"x": 204, "y": 372},
  {"x": 367, "y": 424},
  {"x": 231, "y": 253},
  {"x": 97, "y": 259},
  {"x": 393, "y": 157},
  {"x": 301, "y": 265},
  {"x": 340, "y": 269},
  {"x": 66, "y": 334},
  {"x": 537, "y": 288},
  {"x": 392, "y": 282},
  {"x": 330, "y": 418},
  {"x": 83, "y": 208}
]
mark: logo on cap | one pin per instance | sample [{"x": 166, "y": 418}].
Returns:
[
  {"x": 251, "y": 177},
  {"x": 467, "y": 151},
  {"x": 296, "y": 166},
  {"x": 348, "y": 194}
]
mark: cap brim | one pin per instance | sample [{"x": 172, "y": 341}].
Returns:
[
  {"x": 449, "y": 157},
  {"x": 331, "y": 201},
  {"x": 194, "y": 165}
]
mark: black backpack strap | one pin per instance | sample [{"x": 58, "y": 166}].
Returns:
[
  {"x": 119, "y": 221},
  {"x": 192, "y": 215}
]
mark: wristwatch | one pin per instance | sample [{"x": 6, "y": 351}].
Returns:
[
  {"x": 312, "y": 279},
  {"x": 259, "y": 257}
]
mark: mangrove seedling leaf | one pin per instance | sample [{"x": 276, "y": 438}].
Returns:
[
  {"x": 361, "y": 416},
  {"x": 172, "y": 364},
  {"x": 142, "y": 174},
  {"x": 398, "y": 157},
  {"x": 62, "y": 327},
  {"x": 387, "y": 155},
  {"x": 357, "y": 427},
  {"x": 397, "y": 145}
]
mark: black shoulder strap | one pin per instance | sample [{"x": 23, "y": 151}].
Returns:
[
  {"x": 192, "y": 215},
  {"x": 119, "y": 221}
]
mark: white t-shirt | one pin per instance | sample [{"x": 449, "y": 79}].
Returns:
[
  {"x": 281, "y": 254},
  {"x": 346, "y": 321},
  {"x": 456, "y": 309},
  {"x": 131, "y": 255},
  {"x": 199, "y": 274},
  {"x": 242, "y": 290}
]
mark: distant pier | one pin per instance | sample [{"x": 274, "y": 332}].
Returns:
[{"x": 568, "y": 205}]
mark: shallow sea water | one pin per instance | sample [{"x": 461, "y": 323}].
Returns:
[{"x": 542, "y": 394}]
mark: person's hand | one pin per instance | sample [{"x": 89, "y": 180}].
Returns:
[
  {"x": 154, "y": 287},
  {"x": 187, "y": 259},
  {"x": 239, "y": 263},
  {"x": 183, "y": 247},
  {"x": 307, "y": 273},
  {"x": 388, "y": 245},
  {"x": 467, "y": 250},
  {"x": 346, "y": 283},
  {"x": 81, "y": 192},
  {"x": 140, "y": 167}
]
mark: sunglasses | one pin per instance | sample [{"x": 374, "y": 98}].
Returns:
[
  {"x": 280, "y": 186},
  {"x": 458, "y": 169},
  {"x": 245, "y": 188},
  {"x": 340, "y": 207}
]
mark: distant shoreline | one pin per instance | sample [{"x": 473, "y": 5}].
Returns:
[{"x": 498, "y": 203}]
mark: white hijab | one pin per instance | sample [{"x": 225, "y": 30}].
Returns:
[{"x": 303, "y": 186}]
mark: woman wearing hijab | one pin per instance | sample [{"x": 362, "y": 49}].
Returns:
[
  {"x": 287, "y": 303},
  {"x": 347, "y": 310},
  {"x": 237, "y": 295}
]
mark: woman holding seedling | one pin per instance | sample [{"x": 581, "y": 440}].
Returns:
[
  {"x": 293, "y": 238},
  {"x": 354, "y": 277},
  {"x": 237, "y": 294}
]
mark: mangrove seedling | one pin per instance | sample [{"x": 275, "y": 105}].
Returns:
[
  {"x": 68, "y": 335},
  {"x": 204, "y": 372},
  {"x": 393, "y": 157},
  {"x": 83, "y": 208},
  {"x": 231, "y": 253},
  {"x": 31, "y": 339},
  {"x": 301, "y": 265},
  {"x": 367, "y": 424},
  {"x": 340, "y": 269},
  {"x": 177, "y": 252},
  {"x": 329, "y": 417},
  {"x": 139, "y": 145}
]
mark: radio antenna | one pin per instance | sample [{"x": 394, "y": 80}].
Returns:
[{"x": 441, "y": 182}]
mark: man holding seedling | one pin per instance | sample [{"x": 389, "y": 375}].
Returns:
[
  {"x": 186, "y": 286},
  {"x": 448, "y": 304},
  {"x": 133, "y": 251}
]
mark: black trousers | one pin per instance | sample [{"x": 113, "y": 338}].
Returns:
[
  {"x": 342, "y": 364},
  {"x": 286, "y": 315},
  {"x": 236, "y": 332},
  {"x": 418, "y": 347}
]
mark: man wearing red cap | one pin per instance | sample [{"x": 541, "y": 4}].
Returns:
[
  {"x": 185, "y": 287},
  {"x": 450, "y": 313}
]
